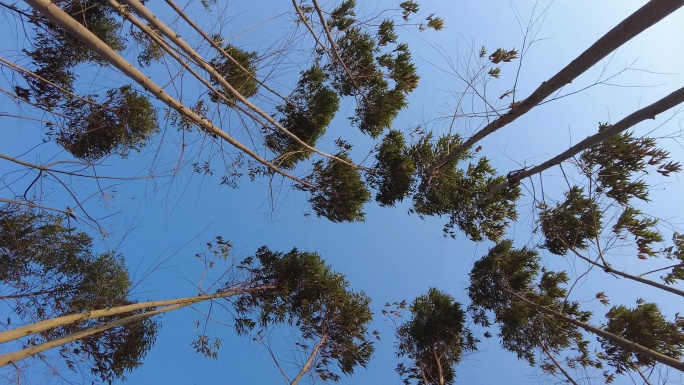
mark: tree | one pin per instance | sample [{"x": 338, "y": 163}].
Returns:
[
  {"x": 49, "y": 270},
  {"x": 434, "y": 339},
  {"x": 362, "y": 60},
  {"x": 77, "y": 315}
]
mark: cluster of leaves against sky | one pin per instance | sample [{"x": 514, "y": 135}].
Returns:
[{"x": 53, "y": 272}]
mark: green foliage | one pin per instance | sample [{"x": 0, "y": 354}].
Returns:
[
  {"x": 434, "y": 339},
  {"x": 455, "y": 192},
  {"x": 309, "y": 295},
  {"x": 362, "y": 76},
  {"x": 643, "y": 230},
  {"x": 496, "y": 283},
  {"x": 386, "y": 33},
  {"x": 646, "y": 326},
  {"x": 307, "y": 115},
  {"x": 357, "y": 50},
  {"x": 435, "y": 22},
  {"x": 409, "y": 7},
  {"x": 49, "y": 270},
  {"x": 55, "y": 53},
  {"x": 151, "y": 52},
  {"x": 570, "y": 224},
  {"x": 242, "y": 79},
  {"x": 502, "y": 55},
  {"x": 675, "y": 252},
  {"x": 123, "y": 122},
  {"x": 340, "y": 193},
  {"x": 392, "y": 174},
  {"x": 342, "y": 17},
  {"x": 615, "y": 160}
]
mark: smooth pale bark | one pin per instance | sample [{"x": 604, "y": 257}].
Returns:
[
  {"x": 19, "y": 355},
  {"x": 307, "y": 366},
  {"x": 70, "y": 25},
  {"x": 633, "y": 346},
  {"x": 41, "y": 326},
  {"x": 650, "y": 112},
  {"x": 175, "y": 38},
  {"x": 639, "y": 21}
]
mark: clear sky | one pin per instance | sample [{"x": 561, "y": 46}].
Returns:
[{"x": 159, "y": 225}]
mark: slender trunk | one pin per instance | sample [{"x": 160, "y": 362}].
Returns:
[
  {"x": 639, "y": 21},
  {"x": 439, "y": 365},
  {"x": 25, "y": 353},
  {"x": 41, "y": 326},
  {"x": 174, "y": 37},
  {"x": 307, "y": 366},
  {"x": 609, "y": 269},
  {"x": 62, "y": 19},
  {"x": 650, "y": 112},
  {"x": 558, "y": 365},
  {"x": 633, "y": 346}
]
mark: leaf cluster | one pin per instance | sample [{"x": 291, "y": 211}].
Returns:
[
  {"x": 340, "y": 191},
  {"x": 500, "y": 278},
  {"x": 240, "y": 73},
  {"x": 307, "y": 115},
  {"x": 434, "y": 339},
  {"x": 571, "y": 223},
  {"x": 313, "y": 298},
  {"x": 646, "y": 326},
  {"x": 121, "y": 123}
]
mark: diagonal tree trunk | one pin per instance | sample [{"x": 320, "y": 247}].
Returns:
[
  {"x": 639, "y": 21},
  {"x": 174, "y": 37},
  {"x": 633, "y": 346},
  {"x": 41, "y": 326},
  {"x": 649, "y": 112},
  {"x": 62, "y": 19}
]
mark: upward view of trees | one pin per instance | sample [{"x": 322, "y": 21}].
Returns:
[{"x": 104, "y": 81}]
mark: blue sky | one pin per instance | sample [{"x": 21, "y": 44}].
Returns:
[{"x": 160, "y": 224}]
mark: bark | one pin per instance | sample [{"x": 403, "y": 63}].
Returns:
[
  {"x": 41, "y": 326},
  {"x": 62, "y": 19},
  {"x": 25, "y": 353},
  {"x": 639, "y": 21},
  {"x": 175, "y": 38},
  {"x": 558, "y": 365},
  {"x": 307, "y": 366},
  {"x": 633, "y": 346},
  {"x": 649, "y": 112}
]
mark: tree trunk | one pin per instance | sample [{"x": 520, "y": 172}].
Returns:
[
  {"x": 649, "y": 112},
  {"x": 28, "y": 352},
  {"x": 175, "y": 38},
  {"x": 639, "y": 21},
  {"x": 62, "y": 19},
  {"x": 633, "y": 346}
]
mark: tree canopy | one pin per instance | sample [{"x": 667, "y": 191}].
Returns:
[{"x": 126, "y": 112}]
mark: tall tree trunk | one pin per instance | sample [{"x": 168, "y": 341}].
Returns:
[
  {"x": 62, "y": 19},
  {"x": 645, "y": 113},
  {"x": 639, "y": 21},
  {"x": 633, "y": 346},
  {"x": 307, "y": 365},
  {"x": 41, "y": 326},
  {"x": 175, "y": 38},
  {"x": 19, "y": 355}
]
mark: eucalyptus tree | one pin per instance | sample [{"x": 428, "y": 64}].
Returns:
[
  {"x": 434, "y": 340},
  {"x": 531, "y": 308},
  {"x": 64, "y": 296},
  {"x": 49, "y": 270}
]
